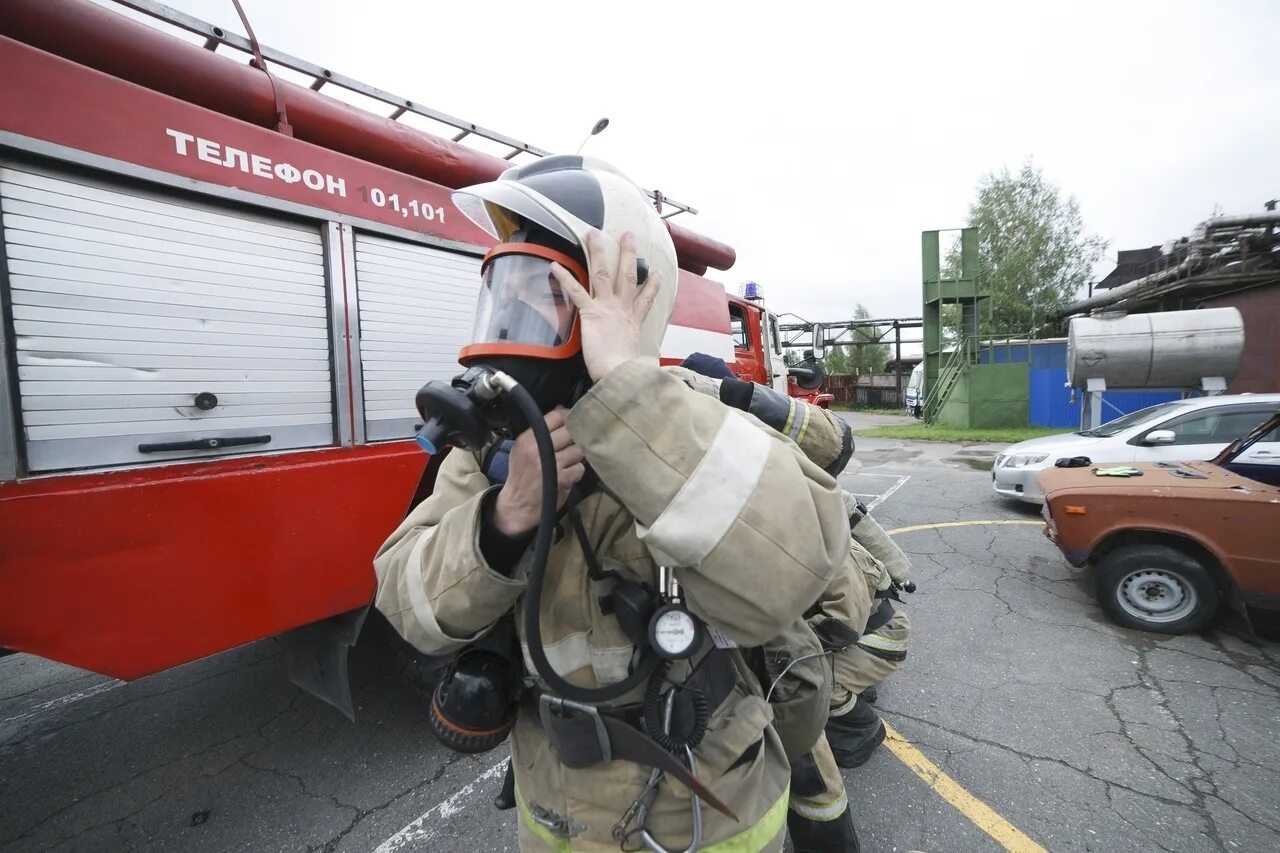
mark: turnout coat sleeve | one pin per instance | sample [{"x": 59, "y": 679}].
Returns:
[
  {"x": 755, "y": 530},
  {"x": 434, "y": 586}
]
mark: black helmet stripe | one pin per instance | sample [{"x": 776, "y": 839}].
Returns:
[{"x": 562, "y": 179}]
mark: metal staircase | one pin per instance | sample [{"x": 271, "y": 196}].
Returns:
[{"x": 948, "y": 377}]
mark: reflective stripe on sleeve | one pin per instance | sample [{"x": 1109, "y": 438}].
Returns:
[
  {"x": 713, "y": 497},
  {"x": 791, "y": 418},
  {"x": 801, "y": 422},
  {"x": 422, "y": 609}
]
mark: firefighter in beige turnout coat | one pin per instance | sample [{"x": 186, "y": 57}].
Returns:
[
  {"x": 855, "y": 595},
  {"x": 875, "y": 562},
  {"x": 687, "y": 483}
]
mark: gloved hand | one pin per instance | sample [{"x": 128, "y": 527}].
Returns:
[{"x": 611, "y": 314}]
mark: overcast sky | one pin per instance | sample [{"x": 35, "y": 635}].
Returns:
[{"x": 820, "y": 140}]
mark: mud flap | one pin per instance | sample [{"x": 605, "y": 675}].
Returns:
[
  {"x": 317, "y": 653},
  {"x": 317, "y": 657}
]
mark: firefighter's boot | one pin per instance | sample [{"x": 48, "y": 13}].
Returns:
[
  {"x": 818, "y": 816},
  {"x": 871, "y": 694},
  {"x": 855, "y": 734},
  {"x": 818, "y": 836}
]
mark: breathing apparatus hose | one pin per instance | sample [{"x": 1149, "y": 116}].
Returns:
[{"x": 538, "y": 571}]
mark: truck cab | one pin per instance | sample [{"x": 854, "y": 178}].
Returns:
[
  {"x": 757, "y": 347},
  {"x": 758, "y": 351}
]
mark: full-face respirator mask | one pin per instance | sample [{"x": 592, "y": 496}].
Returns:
[{"x": 526, "y": 328}]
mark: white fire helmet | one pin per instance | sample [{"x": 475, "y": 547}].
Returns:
[{"x": 541, "y": 213}]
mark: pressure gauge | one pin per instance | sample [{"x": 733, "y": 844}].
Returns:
[{"x": 673, "y": 632}]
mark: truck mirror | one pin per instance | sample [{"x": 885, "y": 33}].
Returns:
[{"x": 819, "y": 341}]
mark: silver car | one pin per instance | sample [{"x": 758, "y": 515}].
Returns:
[{"x": 1190, "y": 430}]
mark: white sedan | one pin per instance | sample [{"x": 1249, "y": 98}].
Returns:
[{"x": 1190, "y": 430}]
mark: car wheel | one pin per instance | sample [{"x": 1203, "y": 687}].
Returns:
[{"x": 1156, "y": 588}]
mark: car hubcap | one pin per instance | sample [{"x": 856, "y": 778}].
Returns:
[{"x": 1156, "y": 596}]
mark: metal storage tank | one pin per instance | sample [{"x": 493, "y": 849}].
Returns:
[{"x": 1172, "y": 349}]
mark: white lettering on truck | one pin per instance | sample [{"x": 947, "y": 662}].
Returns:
[
  {"x": 262, "y": 167},
  {"x": 234, "y": 158}
]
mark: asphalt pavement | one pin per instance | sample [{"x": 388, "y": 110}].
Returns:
[{"x": 1079, "y": 734}]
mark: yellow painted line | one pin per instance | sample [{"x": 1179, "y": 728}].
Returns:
[
  {"x": 913, "y": 528},
  {"x": 983, "y": 816},
  {"x": 1006, "y": 834}
]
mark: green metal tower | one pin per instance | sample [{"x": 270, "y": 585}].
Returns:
[
  {"x": 948, "y": 351},
  {"x": 959, "y": 390}
]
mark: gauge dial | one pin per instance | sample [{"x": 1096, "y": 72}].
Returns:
[{"x": 673, "y": 632}]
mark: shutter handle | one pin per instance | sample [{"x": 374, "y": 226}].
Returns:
[{"x": 205, "y": 443}]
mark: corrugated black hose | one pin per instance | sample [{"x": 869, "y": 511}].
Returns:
[{"x": 537, "y": 573}]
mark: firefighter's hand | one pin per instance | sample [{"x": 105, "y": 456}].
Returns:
[
  {"x": 519, "y": 503},
  {"x": 611, "y": 314}
]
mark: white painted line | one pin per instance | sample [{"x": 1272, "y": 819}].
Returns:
[
  {"x": 419, "y": 830},
  {"x": 902, "y": 481},
  {"x": 63, "y": 701}
]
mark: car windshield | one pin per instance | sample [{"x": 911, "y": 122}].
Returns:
[{"x": 1133, "y": 419}]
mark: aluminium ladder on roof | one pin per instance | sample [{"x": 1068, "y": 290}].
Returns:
[{"x": 215, "y": 36}]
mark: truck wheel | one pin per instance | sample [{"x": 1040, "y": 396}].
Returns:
[{"x": 1156, "y": 588}]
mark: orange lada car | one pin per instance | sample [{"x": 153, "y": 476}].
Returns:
[{"x": 1171, "y": 541}]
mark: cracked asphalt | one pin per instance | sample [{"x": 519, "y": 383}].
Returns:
[{"x": 1082, "y": 734}]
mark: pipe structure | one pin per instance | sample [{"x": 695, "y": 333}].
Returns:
[{"x": 1204, "y": 236}]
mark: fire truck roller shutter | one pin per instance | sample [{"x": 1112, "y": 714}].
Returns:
[
  {"x": 146, "y": 324},
  {"x": 417, "y": 306}
]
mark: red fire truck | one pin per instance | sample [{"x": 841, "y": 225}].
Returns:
[{"x": 219, "y": 292}]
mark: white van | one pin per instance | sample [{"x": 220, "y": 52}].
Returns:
[{"x": 914, "y": 395}]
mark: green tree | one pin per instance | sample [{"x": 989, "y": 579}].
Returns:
[
  {"x": 1033, "y": 252},
  {"x": 837, "y": 361},
  {"x": 870, "y": 356}
]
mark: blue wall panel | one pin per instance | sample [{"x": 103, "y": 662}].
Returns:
[{"x": 1049, "y": 400}]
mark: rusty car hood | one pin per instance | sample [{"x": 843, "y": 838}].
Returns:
[{"x": 1167, "y": 478}]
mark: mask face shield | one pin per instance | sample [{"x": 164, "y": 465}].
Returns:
[{"x": 522, "y": 310}]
